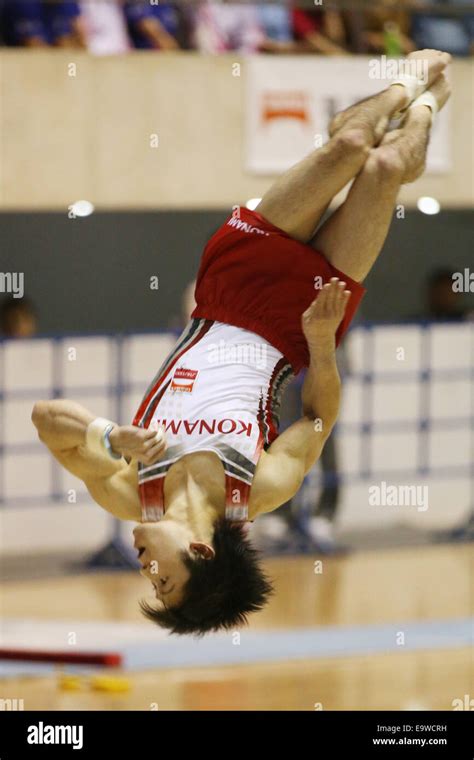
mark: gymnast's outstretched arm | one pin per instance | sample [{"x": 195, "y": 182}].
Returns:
[
  {"x": 282, "y": 468},
  {"x": 63, "y": 427}
]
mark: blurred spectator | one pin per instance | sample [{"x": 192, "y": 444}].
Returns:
[
  {"x": 219, "y": 27},
  {"x": 387, "y": 27},
  {"x": 188, "y": 302},
  {"x": 320, "y": 31},
  {"x": 101, "y": 28},
  {"x": 442, "y": 301},
  {"x": 152, "y": 26},
  {"x": 2, "y": 23},
  {"x": 390, "y": 27},
  {"x": 18, "y": 318},
  {"x": 455, "y": 34},
  {"x": 276, "y": 26},
  {"x": 178, "y": 321},
  {"x": 33, "y": 23}
]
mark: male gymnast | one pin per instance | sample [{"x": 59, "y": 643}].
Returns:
[{"x": 203, "y": 456}]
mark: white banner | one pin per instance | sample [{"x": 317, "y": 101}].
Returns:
[{"x": 290, "y": 101}]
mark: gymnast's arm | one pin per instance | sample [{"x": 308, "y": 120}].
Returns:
[
  {"x": 282, "y": 468},
  {"x": 62, "y": 427}
]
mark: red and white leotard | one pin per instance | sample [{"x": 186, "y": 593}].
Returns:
[{"x": 220, "y": 391}]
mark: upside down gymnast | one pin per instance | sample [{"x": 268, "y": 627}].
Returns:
[{"x": 203, "y": 455}]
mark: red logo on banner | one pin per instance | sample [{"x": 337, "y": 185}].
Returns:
[
  {"x": 285, "y": 105},
  {"x": 183, "y": 379}
]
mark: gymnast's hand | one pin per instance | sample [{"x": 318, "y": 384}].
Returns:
[
  {"x": 322, "y": 318},
  {"x": 143, "y": 444}
]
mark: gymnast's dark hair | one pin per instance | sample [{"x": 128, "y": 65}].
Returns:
[{"x": 221, "y": 591}]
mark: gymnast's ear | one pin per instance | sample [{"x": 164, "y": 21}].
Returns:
[{"x": 204, "y": 550}]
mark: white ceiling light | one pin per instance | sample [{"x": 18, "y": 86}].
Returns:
[
  {"x": 82, "y": 208},
  {"x": 428, "y": 205}
]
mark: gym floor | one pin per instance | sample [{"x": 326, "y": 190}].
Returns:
[{"x": 420, "y": 593}]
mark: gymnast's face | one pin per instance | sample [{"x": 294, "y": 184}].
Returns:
[{"x": 160, "y": 547}]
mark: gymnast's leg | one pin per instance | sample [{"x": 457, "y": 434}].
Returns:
[
  {"x": 298, "y": 199},
  {"x": 353, "y": 236}
]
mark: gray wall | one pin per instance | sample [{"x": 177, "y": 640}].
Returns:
[{"x": 93, "y": 274}]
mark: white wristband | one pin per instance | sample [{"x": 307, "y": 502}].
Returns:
[
  {"x": 97, "y": 440},
  {"x": 427, "y": 99},
  {"x": 413, "y": 85},
  {"x": 414, "y": 88}
]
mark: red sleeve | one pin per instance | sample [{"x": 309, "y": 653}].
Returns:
[{"x": 304, "y": 23}]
